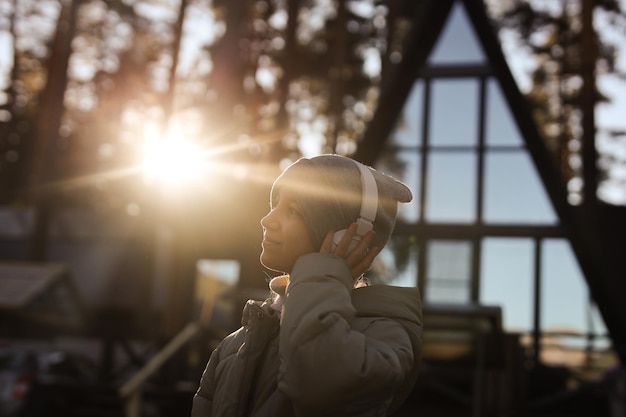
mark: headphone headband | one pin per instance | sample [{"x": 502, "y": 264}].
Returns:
[
  {"x": 369, "y": 207},
  {"x": 369, "y": 202}
]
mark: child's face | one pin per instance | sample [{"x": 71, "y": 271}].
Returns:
[{"x": 285, "y": 235}]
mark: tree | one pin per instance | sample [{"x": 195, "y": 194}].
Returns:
[
  {"x": 22, "y": 81},
  {"x": 553, "y": 34},
  {"x": 269, "y": 79}
]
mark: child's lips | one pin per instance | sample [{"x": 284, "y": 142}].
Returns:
[{"x": 269, "y": 242}]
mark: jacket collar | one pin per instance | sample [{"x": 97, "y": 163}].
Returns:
[{"x": 369, "y": 301}]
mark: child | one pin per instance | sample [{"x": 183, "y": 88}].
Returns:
[{"x": 325, "y": 343}]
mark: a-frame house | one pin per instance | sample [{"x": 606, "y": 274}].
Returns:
[{"x": 491, "y": 224}]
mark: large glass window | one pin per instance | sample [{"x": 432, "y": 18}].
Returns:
[
  {"x": 458, "y": 42},
  {"x": 454, "y": 112},
  {"x": 408, "y": 131},
  {"x": 472, "y": 173},
  {"x": 397, "y": 263},
  {"x": 451, "y": 187},
  {"x": 448, "y": 271},
  {"x": 598, "y": 328},
  {"x": 564, "y": 296},
  {"x": 500, "y": 127},
  {"x": 507, "y": 271},
  {"x": 215, "y": 278},
  {"x": 513, "y": 191}
]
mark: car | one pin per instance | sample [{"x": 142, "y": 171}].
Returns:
[{"x": 22, "y": 368}]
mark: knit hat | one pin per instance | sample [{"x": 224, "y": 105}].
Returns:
[{"x": 329, "y": 191}]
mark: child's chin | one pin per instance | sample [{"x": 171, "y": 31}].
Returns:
[{"x": 267, "y": 263}]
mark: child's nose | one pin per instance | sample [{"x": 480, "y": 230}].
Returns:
[{"x": 267, "y": 220}]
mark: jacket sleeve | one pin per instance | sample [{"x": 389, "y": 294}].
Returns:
[
  {"x": 203, "y": 399},
  {"x": 323, "y": 360}
]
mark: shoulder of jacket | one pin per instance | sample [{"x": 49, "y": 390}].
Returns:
[{"x": 388, "y": 301}]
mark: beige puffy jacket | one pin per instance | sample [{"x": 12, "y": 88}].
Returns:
[{"x": 338, "y": 352}]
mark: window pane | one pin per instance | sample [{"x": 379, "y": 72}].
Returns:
[
  {"x": 506, "y": 280},
  {"x": 448, "y": 272},
  {"x": 408, "y": 130},
  {"x": 215, "y": 278},
  {"x": 514, "y": 192},
  {"x": 454, "y": 116},
  {"x": 404, "y": 165},
  {"x": 451, "y": 188},
  {"x": 598, "y": 328},
  {"x": 458, "y": 42},
  {"x": 564, "y": 295},
  {"x": 501, "y": 129},
  {"x": 397, "y": 263}
]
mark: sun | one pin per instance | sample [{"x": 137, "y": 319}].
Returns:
[{"x": 172, "y": 161}]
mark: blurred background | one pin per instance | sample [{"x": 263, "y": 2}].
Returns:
[{"x": 139, "y": 140}]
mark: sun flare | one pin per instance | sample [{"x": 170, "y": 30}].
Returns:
[{"x": 172, "y": 161}]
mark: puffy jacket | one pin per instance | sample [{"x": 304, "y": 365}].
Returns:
[{"x": 336, "y": 351}]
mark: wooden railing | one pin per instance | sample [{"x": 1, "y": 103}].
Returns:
[{"x": 131, "y": 391}]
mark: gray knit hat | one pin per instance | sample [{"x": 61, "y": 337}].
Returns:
[{"x": 329, "y": 191}]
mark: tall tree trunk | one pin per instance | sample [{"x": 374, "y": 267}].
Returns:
[
  {"x": 588, "y": 104},
  {"x": 8, "y": 183},
  {"x": 338, "y": 73},
  {"x": 168, "y": 102},
  {"x": 228, "y": 71},
  {"x": 47, "y": 127}
]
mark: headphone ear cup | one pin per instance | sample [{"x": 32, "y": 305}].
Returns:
[{"x": 340, "y": 234}]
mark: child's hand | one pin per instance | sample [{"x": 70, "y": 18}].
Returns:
[{"x": 360, "y": 258}]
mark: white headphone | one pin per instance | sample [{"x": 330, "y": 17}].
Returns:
[{"x": 369, "y": 206}]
